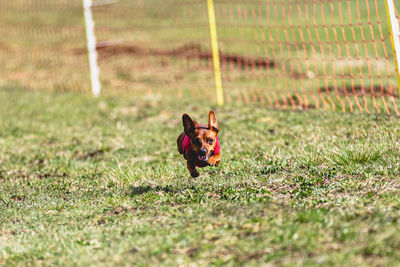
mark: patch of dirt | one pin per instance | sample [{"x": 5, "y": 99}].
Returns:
[
  {"x": 357, "y": 90},
  {"x": 254, "y": 256},
  {"x": 119, "y": 210},
  {"x": 191, "y": 251},
  {"x": 189, "y": 51},
  {"x": 90, "y": 154},
  {"x": 52, "y": 175},
  {"x": 20, "y": 174},
  {"x": 123, "y": 209}
]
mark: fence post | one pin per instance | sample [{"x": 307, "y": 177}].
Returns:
[
  {"x": 394, "y": 35},
  {"x": 215, "y": 51},
  {"x": 91, "y": 46}
]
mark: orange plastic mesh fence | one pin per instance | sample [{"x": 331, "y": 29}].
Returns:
[
  {"x": 322, "y": 54},
  {"x": 288, "y": 54}
]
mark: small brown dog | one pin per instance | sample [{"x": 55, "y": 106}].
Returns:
[{"x": 199, "y": 143}]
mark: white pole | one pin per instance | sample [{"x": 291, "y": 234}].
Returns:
[
  {"x": 395, "y": 30},
  {"x": 91, "y": 44}
]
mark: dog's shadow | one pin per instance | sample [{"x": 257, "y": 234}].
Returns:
[{"x": 140, "y": 190}]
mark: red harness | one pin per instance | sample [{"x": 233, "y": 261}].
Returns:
[{"x": 186, "y": 144}]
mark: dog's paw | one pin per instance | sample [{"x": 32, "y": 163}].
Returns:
[
  {"x": 213, "y": 162},
  {"x": 195, "y": 174}
]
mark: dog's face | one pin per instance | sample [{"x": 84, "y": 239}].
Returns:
[{"x": 202, "y": 136}]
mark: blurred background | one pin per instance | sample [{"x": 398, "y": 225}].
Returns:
[{"x": 319, "y": 54}]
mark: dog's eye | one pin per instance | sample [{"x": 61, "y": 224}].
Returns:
[{"x": 211, "y": 141}]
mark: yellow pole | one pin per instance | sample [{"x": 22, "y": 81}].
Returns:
[
  {"x": 395, "y": 43},
  {"x": 215, "y": 52}
]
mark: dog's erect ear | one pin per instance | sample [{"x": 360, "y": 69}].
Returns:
[
  {"x": 212, "y": 122},
  {"x": 188, "y": 124}
]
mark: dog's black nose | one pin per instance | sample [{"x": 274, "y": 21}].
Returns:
[{"x": 202, "y": 151}]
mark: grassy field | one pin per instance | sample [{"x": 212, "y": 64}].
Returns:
[
  {"x": 99, "y": 182},
  {"x": 94, "y": 182}
]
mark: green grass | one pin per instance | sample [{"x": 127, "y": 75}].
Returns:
[{"x": 88, "y": 181}]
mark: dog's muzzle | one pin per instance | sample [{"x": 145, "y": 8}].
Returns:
[{"x": 204, "y": 157}]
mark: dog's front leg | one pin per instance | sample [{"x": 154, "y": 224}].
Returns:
[
  {"x": 192, "y": 169},
  {"x": 215, "y": 159}
]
